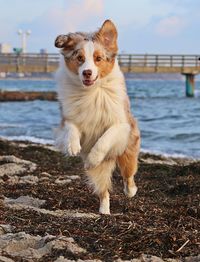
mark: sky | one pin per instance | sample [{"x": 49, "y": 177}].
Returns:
[{"x": 144, "y": 26}]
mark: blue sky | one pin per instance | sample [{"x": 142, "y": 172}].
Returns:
[{"x": 144, "y": 26}]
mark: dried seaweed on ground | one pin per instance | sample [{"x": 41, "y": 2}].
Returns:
[{"x": 163, "y": 219}]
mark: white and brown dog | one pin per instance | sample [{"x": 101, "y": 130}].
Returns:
[{"x": 96, "y": 118}]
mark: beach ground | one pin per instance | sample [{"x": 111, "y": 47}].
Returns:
[{"x": 48, "y": 213}]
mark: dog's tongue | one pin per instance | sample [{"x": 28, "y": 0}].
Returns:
[{"x": 88, "y": 82}]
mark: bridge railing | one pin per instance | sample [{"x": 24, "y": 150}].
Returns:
[
  {"x": 32, "y": 62},
  {"x": 148, "y": 60}
]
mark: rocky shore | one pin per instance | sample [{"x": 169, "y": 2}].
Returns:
[
  {"x": 47, "y": 213},
  {"x": 11, "y": 96}
]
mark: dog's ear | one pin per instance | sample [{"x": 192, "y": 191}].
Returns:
[
  {"x": 65, "y": 41},
  {"x": 107, "y": 35}
]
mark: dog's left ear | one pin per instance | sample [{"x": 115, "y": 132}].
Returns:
[
  {"x": 107, "y": 35},
  {"x": 64, "y": 41}
]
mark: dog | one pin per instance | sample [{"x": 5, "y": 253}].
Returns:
[{"x": 96, "y": 120}]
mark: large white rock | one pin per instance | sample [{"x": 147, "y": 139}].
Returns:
[
  {"x": 11, "y": 166},
  {"x": 35, "y": 247}
]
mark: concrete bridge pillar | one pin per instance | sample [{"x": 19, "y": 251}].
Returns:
[{"x": 189, "y": 84}]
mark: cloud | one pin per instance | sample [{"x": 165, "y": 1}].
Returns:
[
  {"x": 70, "y": 17},
  {"x": 170, "y": 26},
  {"x": 73, "y": 16},
  {"x": 138, "y": 22}
]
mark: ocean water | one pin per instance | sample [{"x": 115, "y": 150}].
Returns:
[{"x": 169, "y": 121}]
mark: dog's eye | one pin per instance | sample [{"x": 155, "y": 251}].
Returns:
[
  {"x": 80, "y": 58},
  {"x": 98, "y": 58}
]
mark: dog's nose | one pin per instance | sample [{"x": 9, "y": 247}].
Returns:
[{"x": 87, "y": 73}]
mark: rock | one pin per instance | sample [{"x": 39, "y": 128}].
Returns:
[
  {"x": 74, "y": 177},
  {"x": 11, "y": 166},
  {"x": 132, "y": 260},
  {"x": 22, "y": 180},
  {"x": 45, "y": 177},
  {"x": 89, "y": 260},
  {"x": 5, "y": 229},
  {"x": 5, "y": 259},
  {"x": 56, "y": 213},
  {"x": 71, "y": 245},
  {"x": 149, "y": 258},
  {"x": 192, "y": 259},
  {"x": 62, "y": 259},
  {"x": 26, "y": 201},
  {"x": 11, "y": 169},
  {"x": 27, "y": 95},
  {"x": 45, "y": 174},
  {"x": 28, "y": 180},
  {"x": 62, "y": 181},
  {"x": 20, "y": 244},
  {"x": 35, "y": 247},
  {"x": 172, "y": 260}
]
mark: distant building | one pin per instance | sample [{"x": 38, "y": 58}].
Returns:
[{"x": 5, "y": 48}]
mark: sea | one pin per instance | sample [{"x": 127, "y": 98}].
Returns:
[{"x": 169, "y": 121}]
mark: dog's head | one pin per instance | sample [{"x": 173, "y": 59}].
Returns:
[{"x": 90, "y": 56}]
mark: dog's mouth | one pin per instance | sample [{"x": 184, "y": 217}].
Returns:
[{"x": 89, "y": 82}]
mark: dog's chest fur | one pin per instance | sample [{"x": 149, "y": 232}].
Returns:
[{"x": 93, "y": 112}]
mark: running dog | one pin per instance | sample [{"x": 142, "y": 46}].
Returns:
[{"x": 96, "y": 120}]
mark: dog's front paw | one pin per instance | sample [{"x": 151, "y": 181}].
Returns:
[
  {"x": 94, "y": 159},
  {"x": 74, "y": 147}
]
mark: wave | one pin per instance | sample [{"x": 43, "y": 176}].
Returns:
[
  {"x": 51, "y": 142},
  {"x": 153, "y": 96},
  {"x": 186, "y": 137},
  {"x": 33, "y": 139},
  {"x": 6, "y": 125},
  {"x": 173, "y": 155},
  {"x": 10, "y": 89}
]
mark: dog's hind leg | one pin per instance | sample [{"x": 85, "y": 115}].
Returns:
[
  {"x": 128, "y": 164},
  {"x": 100, "y": 180},
  {"x": 128, "y": 167}
]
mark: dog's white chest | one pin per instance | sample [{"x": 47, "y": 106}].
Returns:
[{"x": 94, "y": 112}]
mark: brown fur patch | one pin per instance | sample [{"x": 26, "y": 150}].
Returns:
[
  {"x": 107, "y": 36},
  {"x": 74, "y": 62},
  {"x": 68, "y": 42},
  {"x": 104, "y": 64},
  {"x": 128, "y": 161}
]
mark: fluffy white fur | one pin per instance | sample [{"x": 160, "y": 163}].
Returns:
[{"x": 95, "y": 125}]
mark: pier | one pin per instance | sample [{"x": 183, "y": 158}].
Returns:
[{"x": 188, "y": 65}]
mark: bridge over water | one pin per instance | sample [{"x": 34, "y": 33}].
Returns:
[{"x": 188, "y": 65}]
